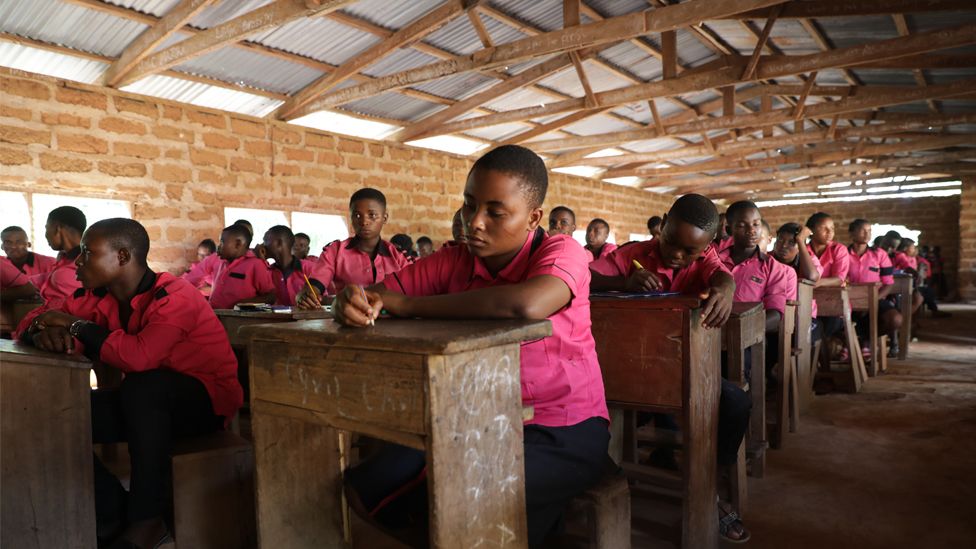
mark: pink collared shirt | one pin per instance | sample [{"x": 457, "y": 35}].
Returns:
[
  {"x": 873, "y": 265},
  {"x": 37, "y": 264},
  {"x": 60, "y": 282},
  {"x": 201, "y": 273},
  {"x": 10, "y": 276},
  {"x": 834, "y": 260},
  {"x": 903, "y": 261},
  {"x": 604, "y": 251},
  {"x": 243, "y": 278},
  {"x": 561, "y": 376},
  {"x": 693, "y": 279},
  {"x": 761, "y": 278},
  {"x": 342, "y": 263},
  {"x": 289, "y": 282}
]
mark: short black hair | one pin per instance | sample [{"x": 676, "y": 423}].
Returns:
[
  {"x": 905, "y": 243},
  {"x": 302, "y": 235},
  {"x": 12, "y": 229},
  {"x": 893, "y": 234},
  {"x": 124, "y": 233},
  {"x": 738, "y": 208},
  {"x": 246, "y": 224},
  {"x": 522, "y": 163},
  {"x": 402, "y": 241},
  {"x": 790, "y": 228},
  {"x": 209, "y": 244},
  {"x": 600, "y": 222},
  {"x": 367, "y": 193},
  {"x": 241, "y": 231},
  {"x": 697, "y": 210},
  {"x": 857, "y": 224},
  {"x": 653, "y": 222},
  {"x": 69, "y": 216},
  {"x": 555, "y": 211},
  {"x": 285, "y": 232},
  {"x": 425, "y": 240},
  {"x": 816, "y": 219}
]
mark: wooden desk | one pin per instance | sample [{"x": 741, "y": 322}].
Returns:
[
  {"x": 47, "y": 497},
  {"x": 656, "y": 357},
  {"x": 864, "y": 297},
  {"x": 234, "y": 320},
  {"x": 11, "y": 313},
  {"x": 903, "y": 287},
  {"x": 834, "y": 301},
  {"x": 449, "y": 388},
  {"x": 804, "y": 344},
  {"x": 746, "y": 329}
]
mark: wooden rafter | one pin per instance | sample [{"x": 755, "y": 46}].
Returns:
[
  {"x": 762, "y": 40},
  {"x": 901, "y": 23},
  {"x": 848, "y": 8}
]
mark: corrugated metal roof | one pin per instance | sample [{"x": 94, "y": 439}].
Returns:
[
  {"x": 50, "y": 63},
  {"x": 519, "y": 99},
  {"x": 457, "y": 36},
  {"x": 924, "y": 22},
  {"x": 568, "y": 81},
  {"x": 634, "y": 59},
  {"x": 600, "y": 123},
  {"x": 224, "y": 11},
  {"x": 158, "y": 8},
  {"x": 204, "y": 95},
  {"x": 613, "y": 8},
  {"x": 399, "y": 60},
  {"x": 393, "y": 106},
  {"x": 391, "y": 14},
  {"x": 499, "y": 132},
  {"x": 691, "y": 52},
  {"x": 884, "y": 77},
  {"x": 845, "y": 32},
  {"x": 790, "y": 36},
  {"x": 68, "y": 25},
  {"x": 543, "y": 14},
  {"x": 251, "y": 69},
  {"x": 459, "y": 86},
  {"x": 305, "y": 37}
]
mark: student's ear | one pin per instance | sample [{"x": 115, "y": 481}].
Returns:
[
  {"x": 535, "y": 217},
  {"x": 386, "y": 216},
  {"x": 124, "y": 256}
]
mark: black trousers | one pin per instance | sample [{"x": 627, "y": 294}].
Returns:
[
  {"x": 560, "y": 463},
  {"x": 149, "y": 410},
  {"x": 928, "y": 297}
]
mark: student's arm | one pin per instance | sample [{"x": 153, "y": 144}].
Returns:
[
  {"x": 718, "y": 300},
  {"x": 886, "y": 270},
  {"x": 322, "y": 274},
  {"x": 640, "y": 280},
  {"x": 773, "y": 319},
  {"x": 780, "y": 289},
  {"x": 197, "y": 274},
  {"x": 807, "y": 267},
  {"x": 23, "y": 291}
]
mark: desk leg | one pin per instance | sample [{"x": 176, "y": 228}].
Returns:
[
  {"x": 298, "y": 481},
  {"x": 475, "y": 454},
  {"x": 873, "y": 335},
  {"x": 905, "y": 332},
  {"x": 757, "y": 420},
  {"x": 47, "y": 490},
  {"x": 701, "y": 393}
]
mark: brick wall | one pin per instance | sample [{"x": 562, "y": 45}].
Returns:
[
  {"x": 179, "y": 166},
  {"x": 967, "y": 235},
  {"x": 937, "y": 217}
]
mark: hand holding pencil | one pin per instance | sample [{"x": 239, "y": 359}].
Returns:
[
  {"x": 642, "y": 280},
  {"x": 354, "y": 306},
  {"x": 309, "y": 297}
]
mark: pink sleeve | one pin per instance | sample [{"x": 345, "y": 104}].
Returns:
[
  {"x": 263, "y": 282},
  {"x": 616, "y": 263},
  {"x": 430, "y": 275},
  {"x": 842, "y": 262},
  {"x": 324, "y": 270},
  {"x": 10, "y": 276},
  {"x": 709, "y": 263},
  {"x": 780, "y": 287},
  {"x": 199, "y": 271},
  {"x": 816, "y": 264},
  {"x": 564, "y": 259}
]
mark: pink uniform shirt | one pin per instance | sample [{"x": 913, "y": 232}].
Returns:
[
  {"x": 604, "y": 251},
  {"x": 816, "y": 264},
  {"x": 693, "y": 279},
  {"x": 873, "y": 265},
  {"x": 59, "y": 283},
  {"x": 834, "y": 260},
  {"x": 903, "y": 261},
  {"x": 342, "y": 263},
  {"x": 561, "y": 376},
  {"x": 10, "y": 276},
  {"x": 290, "y": 281},
  {"x": 761, "y": 278},
  {"x": 243, "y": 278},
  {"x": 37, "y": 265}
]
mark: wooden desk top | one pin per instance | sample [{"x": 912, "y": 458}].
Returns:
[
  {"x": 745, "y": 309},
  {"x": 673, "y": 302},
  {"x": 19, "y": 352},
  {"x": 295, "y": 314},
  {"x": 405, "y": 335}
]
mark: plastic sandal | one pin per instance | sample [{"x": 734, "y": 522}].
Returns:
[{"x": 727, "y": 522}]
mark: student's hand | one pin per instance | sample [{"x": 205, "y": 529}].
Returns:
[
  {"x": 308, "y": 299},
  {"x": 351, "y": 309},
  {"x": 55, "y": 339},
  {"x": 717, "y": 307},
  {"x": 803, "y": 235},
  {"x": 642, "y": 280},
  {"x": 56, "y": 319}
]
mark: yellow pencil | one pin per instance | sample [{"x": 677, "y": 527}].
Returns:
[
  {"x": 310, "y": 287},
  {"x": 638, "y": 265}
]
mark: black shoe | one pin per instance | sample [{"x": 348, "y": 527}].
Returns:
[{"x": 893, "y": 351}]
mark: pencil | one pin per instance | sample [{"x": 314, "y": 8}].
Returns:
[
  {"x": 310, "y": 287},
  {"x": 638, "y": 265},
  {"x": 371, "y": 321}
]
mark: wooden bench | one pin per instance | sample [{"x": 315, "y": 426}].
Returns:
[
  {"x": 656, "y": 357},
  {"x": 903, "y": 288},
  {"x": 803, "y": 343},
  {"x": 603, "y": 513},
  {"x": 834, "y": 301},
  {"x": 213, "y": 492},
  {"x": 787, "y": 394},
  {"x": 864, "y": 298},
  {"x": 12, "y": 312}
]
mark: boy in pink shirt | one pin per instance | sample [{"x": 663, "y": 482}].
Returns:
[
  {"x": 597, "y": 233},
  {"x": 509, "y": 268},
  {"x": 288, "y": 272},
  {"x": 363, "y": 259},
  {"x": 238, "y": 275},
  {"x": 868, "y": 265},
  {"x": 17, "y": 247},
  {"x": 562, "y": 220},
  {"x": 907, "y": 259}
]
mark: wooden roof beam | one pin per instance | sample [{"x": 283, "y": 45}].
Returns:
[
  {"x": 901, "y": 23},
  {"x": 845, "y": 8}
]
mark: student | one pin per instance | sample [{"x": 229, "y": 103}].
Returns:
[
  {"x": 288, "y": 272},
  {"x": 13, "y": 283},
  {"x": 833, "y": 256},
  {"x": 425, "y": 246},
  {"x": 722, "y": 238},
  {"x": 206, "y": 248},
  {"x": 17, "y": 247},
  {"x": 562, "y": 220},
  {"x": 247, "y": 224},
  {"x": 597, "y": 233},
  {"x": 404, "y": 244},
  {"x": 791, "y": 250},
  {"x": 363, "y": 259},
  {"x": 457, "y": 231},
  {"x": 908, "y": 260},
  {"x": 180, "y": 373},
  {"x": 765, "y": 236},
  {"x": 869, "y": 264},
  {"x": 654, "y": 226},
  {"x": 510, "y": 268},
  {"x": 301, "y": 249},
  {"x": 238, "y": 275},
  {"x": 684, "y": 259}
]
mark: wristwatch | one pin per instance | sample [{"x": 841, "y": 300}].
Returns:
[{"x": 76, "y": 327}]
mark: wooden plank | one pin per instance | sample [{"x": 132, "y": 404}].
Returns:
[
  {"x": 48, "y": 495},
  {"x": 479, "y": 27},
  {"x": 761, "y": 42},
  {"x": 903, "y": 286},
  {"x": 669, "y": 54},
  {"x": 655, "y": 116},
  {"x": 845, "y": 8},
  {"x": 591, "y": 101},
  {"x": 801, "y": 102},
  {"x": 804, "y": 344}
]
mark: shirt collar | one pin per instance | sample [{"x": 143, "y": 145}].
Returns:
[
  {"x": 295, "y": 265},
  {"x": 71, "y": 254},
  {"x": 381, "y": 246},
  {"x": 30, "y": 259},
  {"x": 514, "y": 271},
  {"x": 147, "y": 282}
]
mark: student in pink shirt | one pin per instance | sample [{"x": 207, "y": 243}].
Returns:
[
  {"x": 301, "y": 249},
  {"x": 654, "y": 226},
  {"x": 13, "y": 283},
  {"x": 562, "y": 220},
  {"x": 509, "y": 268},
  {"x": 17, "y": 247},
  {"x": 288, "y": 272},
  {"x": 597, "y": 233},
  {"x": 363, "y": 259},
  {"x": 833, "y": 256},
  {"x": 869, "y": 264},
  {"x": 791, "y": 250},
  {"x": 683, "y": 259},
  {"x": 907, "y": 259},
  {"x": 238, "y": 275},
  {"x": 457, "y": 231}
]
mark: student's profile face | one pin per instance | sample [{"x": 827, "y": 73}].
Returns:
[
  {"x": 596, "y": 234},
  {"x": 15, "y": 245},
  {"x": 911, "y": 251},
  {"x": 98, "y": 264},
  {"x": 457, "y": 227},
  {"x": 682, "y": 243},
  {"x": 722, "y": 232},
  {"x": 861, "y": 234},
  {"x": 52, "y": 233},
  {"x": 656, "y": 231},
  {"x": 275, "y": 246},
  {"x": 202, "y": 253},
  {"x": 231, "y": 246},
  {"x": 561, "y": 222},
  {"x": 785, "y": 249},
  {"x": 367, "y": 218},
  {"x": 746, "y": 228},
  {"x": 497, "y": 215},
  {"x": 300, "y": 249},
  {"x": 824, "y": 232},
  {"x": 425, "y": 249}
]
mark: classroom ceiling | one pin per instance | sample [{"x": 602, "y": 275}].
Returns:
[{"x": 733, "y": 98}]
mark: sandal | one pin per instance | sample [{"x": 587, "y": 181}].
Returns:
[
  {"x": 845, "y": 355},
  {"x": 866, "y": 353},
  {"x": 729, "y": 525}
]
